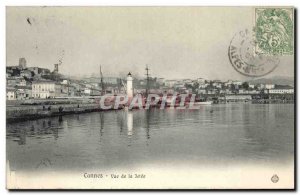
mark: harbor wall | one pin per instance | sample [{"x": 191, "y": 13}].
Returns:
[{"x": 26, "y": 112}]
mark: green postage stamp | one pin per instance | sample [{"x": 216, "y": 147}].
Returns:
[{"x": 274, "y": 31}]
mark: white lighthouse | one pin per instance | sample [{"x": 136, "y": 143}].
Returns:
[{"x": 129, "y": 86}]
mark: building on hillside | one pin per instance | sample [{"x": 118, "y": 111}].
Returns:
[
  {"x": 46, "y": 89},
  {"x": 242, "y": 91},
  {"x": 22, "y": 82},
  {"x": 251, "y": 86},
  {"x": 78, "y": 88},
  {"x": 67, "y": 89},
  {"x": 23, "y": 92},
  {"x": 254, "y": 92},
  {"x": 87, "y": 91},
  {"x": 10, "y": 93},
  {"x": 269, "y": 86},
  {"x": 160, "y": 81},
  {"x": 281, "y": 89},
  {"x": 261, "y": 86},
  {"x": 170, "y": 83},
  {"x": 11, "y": 82},
  {"x": 228, "y": 83},
  {"x": 91, "y": 92},
  {"x": 201, "y": 80},
  {"x": 217, "y": 84},
  {"x": 237, "y": 83},
  {"x": 237, "y": 97},
  {"x": 202, "y": 91}
]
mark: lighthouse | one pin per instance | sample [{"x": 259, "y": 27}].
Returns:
[{"x": 129, "y": 86}]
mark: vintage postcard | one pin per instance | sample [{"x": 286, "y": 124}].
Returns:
[{"x": 150, "y": 97}]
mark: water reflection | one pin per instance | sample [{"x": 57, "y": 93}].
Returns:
[
  {"x": 147, "y": 122},
  {"x": 39, "y": 129},
  {"x": 22, "y": 137},
  {"x": 129, "y": 123},
  {"x": 131, "y": 120},
  {"x": 101, "y": 123},
  {"x": 230, "y": 133}
]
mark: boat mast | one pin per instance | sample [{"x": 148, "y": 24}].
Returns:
[
  {"x": 147, "y": 85},
  {"x": 101, "y": 82}
]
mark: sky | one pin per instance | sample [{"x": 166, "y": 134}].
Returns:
[{"x": 175, "y": 42}]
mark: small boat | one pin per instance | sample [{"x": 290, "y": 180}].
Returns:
[{"x": 203, "y": 103}]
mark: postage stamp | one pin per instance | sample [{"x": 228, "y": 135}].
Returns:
[{"x": 274, "y": 31}]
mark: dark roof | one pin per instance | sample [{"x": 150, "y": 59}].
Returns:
[
  {"x": 283, "y": 87},
  {"x": 10, "y": 89},
  {"x": 45, "y": 81},
  {"x": 23, "y": 87},
  {"x": 129, "y": 74}
]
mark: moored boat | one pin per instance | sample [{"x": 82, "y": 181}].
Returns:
[{"x": 203, "y": 103}]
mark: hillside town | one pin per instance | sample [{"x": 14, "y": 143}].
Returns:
[{"x": 26, "y": 82}]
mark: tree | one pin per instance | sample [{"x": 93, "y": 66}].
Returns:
[
  {"x": 232, "y": 87},
  {"x": 245, "y": 85},
  {"x": 195, "y": 87}
]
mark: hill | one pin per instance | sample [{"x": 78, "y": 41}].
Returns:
[{"x": 278, "y": 80}]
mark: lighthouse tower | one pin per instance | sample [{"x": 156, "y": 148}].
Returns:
[{"x": 129, "y": 86}]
